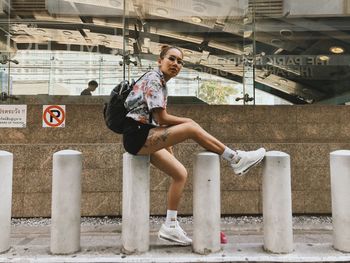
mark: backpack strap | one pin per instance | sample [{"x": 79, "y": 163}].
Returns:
[{"x": 133, "y": 81}]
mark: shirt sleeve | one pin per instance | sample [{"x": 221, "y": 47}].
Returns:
[{"x": 155, "y": 94}]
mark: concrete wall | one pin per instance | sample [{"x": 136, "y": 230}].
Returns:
[{"x": 307, "y": 133}]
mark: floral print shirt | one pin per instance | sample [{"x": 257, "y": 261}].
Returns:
[{"x": 148, "y": 93}]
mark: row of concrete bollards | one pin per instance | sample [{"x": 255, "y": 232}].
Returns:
[
  {"x": 66, "y": 195},
  {"x": 277, "y": 204}
]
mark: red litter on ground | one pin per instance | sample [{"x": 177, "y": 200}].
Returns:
[{"x": 223, "y": 238}]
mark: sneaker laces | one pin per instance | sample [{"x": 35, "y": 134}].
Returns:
[{"x": 236, "y": 158}]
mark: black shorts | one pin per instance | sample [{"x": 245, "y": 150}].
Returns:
[{"x": 135, "y": 135}]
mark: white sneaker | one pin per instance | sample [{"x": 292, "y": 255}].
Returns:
[
  {"x": 247, "y": 160},
  {"x": 174, "y": 234}
]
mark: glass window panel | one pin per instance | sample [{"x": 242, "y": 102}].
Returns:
[
  {"x": 295, "y": 50},
  {"x": 302, "y": 53}
]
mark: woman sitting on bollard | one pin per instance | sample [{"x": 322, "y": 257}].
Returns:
[{"x": 151, "y": 130}]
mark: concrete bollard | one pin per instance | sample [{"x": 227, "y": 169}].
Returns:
[
  {"x": 6, "y": 173},
  {"x": 206, "y": 203},
  {"x": 277, "y": 203},
  {"x": 66, "y": 195},
  {"x": 340, "y": 185},
  {"x": 136, "y": 206}
]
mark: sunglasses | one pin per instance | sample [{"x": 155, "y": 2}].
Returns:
[{"x": 177, "y": 60}]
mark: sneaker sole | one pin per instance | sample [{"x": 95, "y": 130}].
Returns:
[
  {"x": 247, "y": 169},
  {"x": 171, "y": 239}
]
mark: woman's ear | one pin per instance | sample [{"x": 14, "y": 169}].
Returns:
[{"x": 159, "y": 61}]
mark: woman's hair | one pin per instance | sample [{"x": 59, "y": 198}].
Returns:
[{"x": 166, "y": 48}]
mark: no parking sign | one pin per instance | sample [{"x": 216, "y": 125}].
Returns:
[{"x": 54, "y": 116}]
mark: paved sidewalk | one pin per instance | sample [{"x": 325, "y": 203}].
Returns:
[{"x": 102, "y": 243}]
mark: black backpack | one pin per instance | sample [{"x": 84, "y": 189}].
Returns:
[{"x": 114, "y": 112}]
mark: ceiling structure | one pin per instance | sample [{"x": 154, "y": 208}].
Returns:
[{"x": 291, "y": 54}]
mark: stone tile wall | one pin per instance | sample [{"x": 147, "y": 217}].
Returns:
[{"x": 307, "y": 133}]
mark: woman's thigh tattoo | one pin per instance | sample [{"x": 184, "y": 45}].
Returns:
[{"x": 157, "y": 136}]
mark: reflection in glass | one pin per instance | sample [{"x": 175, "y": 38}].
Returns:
[{"x": 296, "y": 50}]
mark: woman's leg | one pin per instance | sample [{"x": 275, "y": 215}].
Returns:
[
  {"x": 162, "y": 137},
  {"x": 167, "y": 163}
]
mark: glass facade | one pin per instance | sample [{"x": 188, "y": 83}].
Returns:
[{"x": 235, "y": 51}]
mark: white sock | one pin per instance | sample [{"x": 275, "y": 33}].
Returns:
[
  {"x": 171, "y": 217},
  {"x": 230, "y": 155}
]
